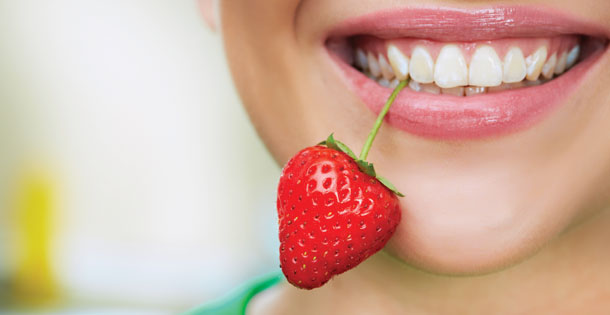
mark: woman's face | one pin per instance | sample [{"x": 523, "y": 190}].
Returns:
[{"x": 489, "y": 177}]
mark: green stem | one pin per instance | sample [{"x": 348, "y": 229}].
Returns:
[{"x": 379, "y": 121}]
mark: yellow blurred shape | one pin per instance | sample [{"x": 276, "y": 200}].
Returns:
[{"x": 34, "y": 279}]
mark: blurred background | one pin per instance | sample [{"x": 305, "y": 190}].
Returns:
[{"x": 131, "y": 181}]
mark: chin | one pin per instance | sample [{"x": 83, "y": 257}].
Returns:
[{"x": 461, "y": 234}]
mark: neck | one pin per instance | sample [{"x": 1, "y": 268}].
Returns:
[{"x": 569, "y": 276}]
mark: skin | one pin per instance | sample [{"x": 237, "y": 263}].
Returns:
[{"x": 516, "y": 224}]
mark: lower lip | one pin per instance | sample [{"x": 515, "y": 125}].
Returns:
[{"x": 479, "y": 116}]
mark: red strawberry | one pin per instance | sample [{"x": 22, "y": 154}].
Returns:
[
  {"x": 332, "y": 216},
  {"x": 334, "y": 211}
]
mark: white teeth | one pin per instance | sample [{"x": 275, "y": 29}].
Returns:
[
  {"x": 507, "y": 86},
  {"x": 361, "y": 60},
  {"x": 485, "y": 67},
  {"x": 514, "y": 66},
  {"x": 431, "y": 88},
  {"x": 394, "y": 83},
  {"x": 386, "y": 69},
  {"x": 573, "y": 56},
  {"x": 561, "y": 63},
  {"x": 384, "y": 82},
  {"x": 516, "y": 85},
  {"x": 473, "y": 90},
  {"x": 414, "y": 85},
  {"x": 501, "y": 87},
  {"x": 451, "y": 75},
  {"x": 549, "y": 67},
  {"x": 534, "y": 63},
  {"x": 450, "y": 69},
  {"x": 399, "y": 62},
  {"x": 532, "y": 83},
  {"x": 373, "y": 65},
  {"x": 457, "y": 91},
  {"x": 421, "y": 66}
]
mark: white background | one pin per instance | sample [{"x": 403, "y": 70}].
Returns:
[{"x": 165, "y": 193}]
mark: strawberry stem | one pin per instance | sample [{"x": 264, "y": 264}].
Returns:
[{"x": 379, "y": 121}]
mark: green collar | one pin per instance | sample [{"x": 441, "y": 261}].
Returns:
[{"x": 235, "y": 303}]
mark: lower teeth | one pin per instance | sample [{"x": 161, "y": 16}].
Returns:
[{"x": 432, "y": 88}]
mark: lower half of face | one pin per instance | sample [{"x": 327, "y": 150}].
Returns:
[{"x": 502, "y": 140}]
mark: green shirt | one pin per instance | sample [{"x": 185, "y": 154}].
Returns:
[{"x": 236, "y": 302}]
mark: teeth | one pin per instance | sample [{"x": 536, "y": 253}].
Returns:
[
  {"x": 457, "y": 91},
  {"x": 573, "y": 56},
  {"x": 506, "y": 86},
  {"x": 399, "y": 62},
  {"x": 373, "y": 65},
  {"x": 561, "y": 63},
  {"x": 501, "y": 87},
  {"x": 485, "y": 67},
  {"x": 421, "y": 66},
  {"x": 473, "y": 90},
  {"x": 384, "y": 82},
  {"x": 414, "y": 85},
  {"x": 535, "y": 62},
  {"x": 514, "y": 66},
  {"x": 394, "y": 83},
  {"x": 430, "y": 88},
  {"x": 532, "y": 83},
  {"x": 361, "y": 60},
  {"x": 386, "y": 69},
  {"x": 451, "y": 69},
  {"x": 427, "y": 87},
  {"x": 516, "y": 85},
  {"x": 549, "y": 67},
  {"x": 451, "y": 75}
]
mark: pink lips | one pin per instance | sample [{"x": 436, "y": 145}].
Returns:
[
  {"x": 446, "y": 24},
  {"x": 450, "y": 117}
]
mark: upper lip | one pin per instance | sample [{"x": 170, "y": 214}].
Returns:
[{"x": 455, "y": 24}]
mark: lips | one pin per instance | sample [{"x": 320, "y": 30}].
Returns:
[{"x": 468, "y": 50}]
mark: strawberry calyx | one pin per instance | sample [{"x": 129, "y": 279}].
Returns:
[{"x": 363, "y": 165}]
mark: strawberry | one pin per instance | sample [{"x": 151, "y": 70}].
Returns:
[{"x": 334, "y": 210}]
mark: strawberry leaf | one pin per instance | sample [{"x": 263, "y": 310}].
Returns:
[
  {"x": 366, "y": 168},
  {"x": 389, "y": 185},
  {"x": 332, "y": 143}
]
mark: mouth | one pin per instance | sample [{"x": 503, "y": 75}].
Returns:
[{"x": 473, "y": 73}]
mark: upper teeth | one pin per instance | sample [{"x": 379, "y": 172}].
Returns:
[
  {"x": 573, "y": 56},
  {"x": 421, "y": 66},
  {"x": 514, "y": 66},
  {"x": 561, "y": 63},
  {"x": 486, "y": 67},
  {"x": 450, "y": 70},
  {"x": 534, "y": 63},
  {"x": 373, "y": 65},
  {"x": 549, "y": 67},
  {"x": 399, "y": 62},
  {"x": 386, "y": 69}
]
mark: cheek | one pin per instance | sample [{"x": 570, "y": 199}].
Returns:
[
  {"x": 480, "y": 222},
  {"x": 467, "y": 231},
  {"x": 468, "y": 234},
  {"x": 256, "y": 34}
]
